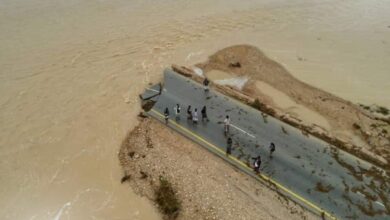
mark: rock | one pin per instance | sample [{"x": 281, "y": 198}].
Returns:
[
  {"x": 131, "y": 154},
  {"x": 125, "y": 178},
  {"x": 235, "y": 65},
  {"x": 142, "y": 115},
  {"x": 144, "y": 175}
]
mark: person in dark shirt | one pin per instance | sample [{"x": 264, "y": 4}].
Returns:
[
  {"x": 229, "y": 146},
  {"x": 204, "y": 114},
  {"x": 206, "y": 83},
  {"x": 189, "y": 113},
  {"x": 271, "y": 149},
  {"x": 166, "y": 115}
]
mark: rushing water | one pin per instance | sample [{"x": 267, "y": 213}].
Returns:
[{"x": 70, "y": 72}]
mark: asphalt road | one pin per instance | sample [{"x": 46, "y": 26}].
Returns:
[{"x": 312, "y": 172}]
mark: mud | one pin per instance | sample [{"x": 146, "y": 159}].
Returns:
[
  {"x": 323, "y": 188},
  {"x": 379, "y": 184}
]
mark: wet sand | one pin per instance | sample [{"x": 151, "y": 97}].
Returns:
[
  {"x": 289, "y": 106},
  {"x": 71, "y": 72}
]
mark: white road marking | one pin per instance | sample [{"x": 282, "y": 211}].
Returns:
[
  {"x": 247, "y": 133},
  {"x": 379, "y": 203},
  {"x": 152, "y": 90}
]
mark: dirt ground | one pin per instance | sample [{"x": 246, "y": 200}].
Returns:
[{"x": 207, "y": 186}]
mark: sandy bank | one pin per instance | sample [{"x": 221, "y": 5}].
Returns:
[{"x": 207, "y": 187}]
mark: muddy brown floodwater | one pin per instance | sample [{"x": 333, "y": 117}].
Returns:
[{"x": 70, "y": 72}]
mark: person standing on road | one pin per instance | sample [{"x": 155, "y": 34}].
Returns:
[
  {"x": 256, "y": 164},
  {"x": 177, "y": 110},
  {"x": 204, "y": 114},
  {"x": 271, "y": 149},
  {"x": 229, "y": 146},
  {"x": 206, "y": 83},
  {"x": 166, "y": 115},
  {"x": 189, "y": 113},
  {"x": 226, "y": 123},
  {"x": 195, "y": 116}
]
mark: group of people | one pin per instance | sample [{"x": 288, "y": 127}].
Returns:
[
  {"x": 257, "y": 160},
  {"x": 192, "y": 115}
]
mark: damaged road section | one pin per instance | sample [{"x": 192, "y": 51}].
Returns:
[
  {"x": 330, "y": 182},
  {"x": 150, "y": 96}
]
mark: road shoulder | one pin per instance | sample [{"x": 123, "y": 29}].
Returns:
[{"x": 207, "y": 187}]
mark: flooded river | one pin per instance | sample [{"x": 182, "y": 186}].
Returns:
[{"x": 70, "y": 73}]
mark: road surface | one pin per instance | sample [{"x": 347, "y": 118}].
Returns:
[{"x": 315, "y": 174}]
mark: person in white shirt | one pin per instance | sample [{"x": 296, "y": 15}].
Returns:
[
  {"x": 195, "y": 116},
  {"x": 227, "y": 124},
  {"x": 256, "y": 164},
  {"x": 177, "y": 110}
]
